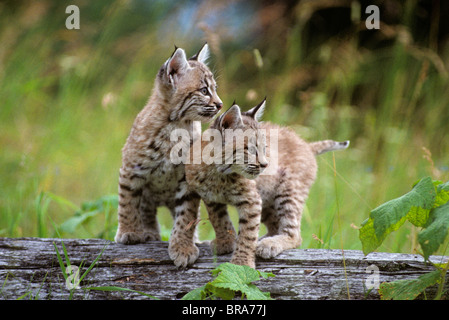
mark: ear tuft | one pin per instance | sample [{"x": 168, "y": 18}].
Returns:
[
  {"x": 202, "y": 55},
  {"x": 257, "y": 112}
]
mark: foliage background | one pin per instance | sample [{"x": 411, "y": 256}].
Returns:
[{"x": 69, "y": 97}]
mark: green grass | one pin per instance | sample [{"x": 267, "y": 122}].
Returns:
[{"x": 69, "y": 99}]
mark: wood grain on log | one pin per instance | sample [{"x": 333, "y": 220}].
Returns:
[{"x": 29, "y": 266}]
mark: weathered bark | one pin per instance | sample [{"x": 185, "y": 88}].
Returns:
[{"x": 29, "y": 266}]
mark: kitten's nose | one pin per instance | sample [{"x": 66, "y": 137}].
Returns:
[
  {"x": 219, "y": 105},
  {"x": 263, "y": 164}
]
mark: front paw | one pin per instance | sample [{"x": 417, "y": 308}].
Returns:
[
  {"x": 129, "y": 238},
  {"x": 268, "y": 248},
  {"x": 223, "y": 246},
  {"x": 183, "y": 253}
]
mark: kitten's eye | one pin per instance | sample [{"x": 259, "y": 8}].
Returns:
[
  {"x": 204, "y": 91},
  {"x": 252, "y": 150}
]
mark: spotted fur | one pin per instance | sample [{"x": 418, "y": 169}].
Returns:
[
  {"x": 276, "y": 198},
  {"x": 184, "y": 91},
  {"x": 221, "y": 184},
  {"x": 285, "y": 191}
]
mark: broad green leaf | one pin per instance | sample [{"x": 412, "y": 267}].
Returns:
[
  {"x": 443, "y": 186},
  {"x": 209, "y": 291},
  {"x": 239, "y": 278},
  {"x": 388, "y": 217},
  {"x": 266, "y": 275},
  {"x": 441, "y": 266},
  {"x": 418, "y": 216},
  {"x": 254, "y": 293},
  {"x": 234, "y": 277},
  {"x": 230, "y": 279},
  {"x": 436, "y": 232},
  {"x": 222, "y": 293},
  {"x": 408, "y": 289},
  {"x": 394, "y": 212},
  {"x": 367, "y": 236},
  {"x": 442, "y": 194},
  {"x": 196, "y": 294},
  {"x": 72, "y": 223}
]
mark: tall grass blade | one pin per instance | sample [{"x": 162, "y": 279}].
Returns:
[
  {"x": 61, "y": 263},
  {"x": 93, "y": 263},
  {"x": 339, "y": 225}
]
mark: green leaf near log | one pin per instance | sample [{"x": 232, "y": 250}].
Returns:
[{"x": 426, "y": 206}]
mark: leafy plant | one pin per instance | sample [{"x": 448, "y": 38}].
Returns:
[
  {"x": 42, "y": 202},
  {"x": 408, "y": 289},
  {"x": 231, "y": 279},
  {"x": 425, "y": 206},
  {"x": 103, "y": 205}
]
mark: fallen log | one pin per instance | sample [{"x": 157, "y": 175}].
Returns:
[{"x": 30, "y": 268}]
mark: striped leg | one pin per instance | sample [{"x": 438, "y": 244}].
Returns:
[
  {"x": 130, "y": 226},
  {"x": 148, "y": 212},
  {"x": 225, "y": 236},
  {"x": 182, "y": 248},
  {"x": 288, "y": 213},
  {"x": 196, "y": 238},
  {"x": 249, "y": 221},
  {"x": 270, "y": 220}
]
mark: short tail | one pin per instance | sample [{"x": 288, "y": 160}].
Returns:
[{"x": 320, "y": 147}]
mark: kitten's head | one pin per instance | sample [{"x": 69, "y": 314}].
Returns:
[
  {"x": 244, "y": 140},
  {"x": 189, "y": 86}
]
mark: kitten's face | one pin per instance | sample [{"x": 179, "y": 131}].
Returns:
[
  {"x": 190, "y": 87},
  {"x": 241, "y": 134},
  {"x": 252, "y": 161}
]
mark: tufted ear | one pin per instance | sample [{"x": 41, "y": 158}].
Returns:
[
  {"x": 232, "y": 118},
  {"x": 176, "y": 64},
  {"x": 257, "y": 112},
  {"x": 202, "y": 55}
]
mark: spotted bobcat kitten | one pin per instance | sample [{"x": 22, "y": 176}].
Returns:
[
  {"x": 283, "y": 188},
  {"x": 184, "y": 91},
  {"x": 285, "y": 192},
  {"x": 220, "y": 183}
]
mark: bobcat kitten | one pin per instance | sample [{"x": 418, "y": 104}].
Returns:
[
  {"x": 222, "y": 183},
  {"x": 283, "y": 192},
  {"x": 184, "y": 91}
]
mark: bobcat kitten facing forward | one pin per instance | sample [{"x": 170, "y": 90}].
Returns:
[
  {"x": 276, "y": 198},
  {"x": 184, "y": 91}
]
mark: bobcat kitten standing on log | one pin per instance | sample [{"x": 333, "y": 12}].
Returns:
[
  {"x": 221, "y": 183},
  {"x": 184, "y": 91},
  {"x": 276, "y": 197}
]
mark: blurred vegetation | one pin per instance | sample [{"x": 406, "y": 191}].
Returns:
[{"x": 69, "y": 97}]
